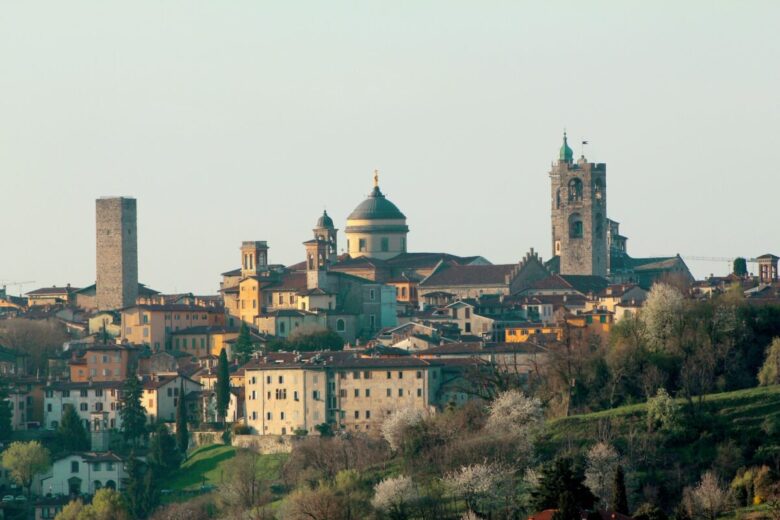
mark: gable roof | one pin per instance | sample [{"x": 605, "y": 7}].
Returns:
[{"x": 479, "y": 275}]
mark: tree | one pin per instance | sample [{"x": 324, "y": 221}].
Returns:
[
  {"x": 770, "y": 370},
  {"x": 223, "y": 386},
  {"x": 619, "y": 495},
  {"x": 662, "y": 412},
  {"x": 662, "y": 314},
  {"x": 708, "y": 499},
  {"x": 394, "y": 427},
  {"x": 601, "y": 463},
  {"x": 134, "y": 489},
  {"x": 163, "y": 457},
  {"x": 740, "y": 266},
  {"x": 243, "y": 485},
  {"x": 322, "y": 503},
  {"x": 71, "y": 434},
  {"x": 393, "y": 496},
  {"x": 132, "y": 413},
  {"x": 567, "y": 508},
  {"x": 24, "y": 460},
  {"x": 107, "y": 504},
  {"x": 6, "y": 414},
  {"x": 479, "y": 485},
  {"x": 309, "y": 342},
  {"x": 182, "y": 432},
  {"x": 558, "y": 477},
  {"x": 38, "y": 338},
  {"x": 243, "y": 348}
]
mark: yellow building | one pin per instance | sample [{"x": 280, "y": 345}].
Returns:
[
  {"x": 54, "y": 295},
  {"x": 347, "y": 392},
  {"x": 532, "y": 332},
  {"x": 202, "y": 340}
]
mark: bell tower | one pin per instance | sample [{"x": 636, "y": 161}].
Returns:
[{"x": 579, "y": 214}]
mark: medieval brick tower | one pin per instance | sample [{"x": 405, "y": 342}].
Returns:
[
  {"x": 579, "y": 214},
  {"x": 117, "y": 253}
]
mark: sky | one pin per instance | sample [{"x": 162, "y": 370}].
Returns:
[{"x": 243, "y": 120}]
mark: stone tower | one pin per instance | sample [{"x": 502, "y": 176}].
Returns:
[
  {"x": 579, "y": 214},
  {"x": 254, "y": 257},
  {"x": 117, "y": 253}
]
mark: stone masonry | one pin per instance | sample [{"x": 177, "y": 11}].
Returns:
[{"x": 117, "y": 253}]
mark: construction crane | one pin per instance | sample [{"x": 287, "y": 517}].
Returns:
[
  {"x": 5, "y": 283},
  {"x": 717, "y": 258}
]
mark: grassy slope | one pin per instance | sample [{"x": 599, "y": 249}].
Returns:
[
  {"x": 210, "y": 463},
  {"x": 735, "y": 416}
]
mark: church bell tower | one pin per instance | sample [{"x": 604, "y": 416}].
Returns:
[{"x": 579, "y": 214}]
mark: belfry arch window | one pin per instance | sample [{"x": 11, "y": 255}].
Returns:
[
  {"x": 575, "y": 226},
  {"x": 558, "y": 199},
  {"x": 598, "y": 190},
  {"x": 575, "y": 190}
]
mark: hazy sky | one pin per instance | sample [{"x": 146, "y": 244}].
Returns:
[{"x": 233, "y": 121}]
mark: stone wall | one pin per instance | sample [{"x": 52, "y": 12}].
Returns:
[{"x": 263, "y": 444}]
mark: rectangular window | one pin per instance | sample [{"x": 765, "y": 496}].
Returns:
[
  {"x": 268, "y": 379},
  {"x": 268, "y": 416},
  {"x": 295, "y": 395},
  {"x": 84, "y": 407},
  {"x": 400, "y": 392},
  {"x": 281, "y": 416},
  {"x": 389, "y": 392},
  {"x": 372, "y": 321},
  {"x": 343, "y": 392},
  {"x": 419, "y": 374},
  {"x": 385, "y": 244},
  {"x": 74, "y": 466},
  {"x": 361, "y": 244},
  {"x": 99, "y": 392},
  {"x": 400, "y": 375},
  {"x": 368, "y": 414},
  {"x": 368, "y": 392},
  {"x": 357, "y": 392},
  {"x": 389, "y": 375},
  {"x": 355, "y": 375},
  {"x": 366, "y": 375},
  {"x": 419, "y": 392},
  {"x": 357, "y": 414},
  {"x": 281, "y": 380},
  {"x": 65, "y": 393}
]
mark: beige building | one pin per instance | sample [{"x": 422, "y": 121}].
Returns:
[
  {"x": 153, "y": 324},
  {"x": 348, "y": 392},
  {"x": 161, "y": 395}
]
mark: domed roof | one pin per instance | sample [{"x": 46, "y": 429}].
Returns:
[
  {"x": 566, "y": 153},
  {"x": 325, "y": 221},
  {"x": 376, "y": 207}
]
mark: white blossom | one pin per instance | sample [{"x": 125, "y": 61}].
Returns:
[
  {"x": 601, "y": 464},
  {"x": 396, "y": 424},
  {"x": 393, "y": 493}
]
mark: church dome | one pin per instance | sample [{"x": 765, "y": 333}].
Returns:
[
  {"x": 325, "y": 221},
  {"x": 566, "y": 153},
  {"x": 376, "y": 207}
]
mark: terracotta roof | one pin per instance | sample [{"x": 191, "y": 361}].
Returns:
[
  {"x": 450, "y": 275},
  {"x": 294, "y": 281},
  {"x": 203, "y": 329}
]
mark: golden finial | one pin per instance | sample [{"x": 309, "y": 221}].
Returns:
[{"x": 376, "y": 178}]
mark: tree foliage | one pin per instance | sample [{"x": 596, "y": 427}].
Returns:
[
  {"x": 243, "y": 347},
  {"x": 223, "y": 385},
  {"x": 24, "y": 460},
  {"x": 600, "y": 466},
  {"x": 163, "y": 457},
  {"x": 71, "y": 434},
  {"x": 558, "y": 477},
  {"x": 132, "y": 414},
  {"x": 6, "y": 414},
  {"x": 310, "y": 342},
  {"x": 182, "y": 431},
  {"x": 770, "y": 370},
  {"x": 619, "y": 495}
]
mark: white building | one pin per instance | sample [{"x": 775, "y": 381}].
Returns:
[
  {"x": 86, "y": 398},
  {"x": 82, "y": 473},
  {"x": 161, "y": 395}
]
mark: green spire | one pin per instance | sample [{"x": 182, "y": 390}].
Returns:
[{"x": 566, "y": 153}]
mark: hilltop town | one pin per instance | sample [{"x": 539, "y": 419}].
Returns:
[{"x": 376, "y": 379}]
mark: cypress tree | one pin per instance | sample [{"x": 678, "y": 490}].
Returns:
[
  {"x": 132, "y": 413},
  {"x": 243, "y": 348},
  {"x": 567, "y": 507},
  {"x": 223, "y": 386},
  {"x": 71, "y": 434},
  {"x": 560, "y": 477},
  {"x": 182, "y": 432},
  {"x": 619, "y": 495}
]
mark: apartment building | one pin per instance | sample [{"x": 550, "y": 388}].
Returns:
[
  {"x": 85, "y": 397},
  {"x": 153, "y": 324},
  {"x": 344, "y": 390}
]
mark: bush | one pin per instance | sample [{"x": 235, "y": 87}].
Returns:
[{"x": 241, "y": 429}]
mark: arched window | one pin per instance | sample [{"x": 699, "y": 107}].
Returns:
[
  {"x": 575, "y": 190},
  {"x": 558, "y": 199},
  {"x": 340, "y": 325},
  {"x": 281, "y": 328},
  {"x": 110, "y": 484},
  {"x": 97, "y": 485},
  {"x": 598, "y": 189},
  {"x": 575, "y": 226},
  {"x": 311, "y": 263}
]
